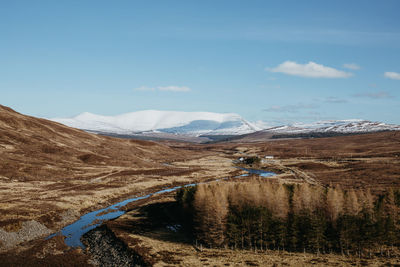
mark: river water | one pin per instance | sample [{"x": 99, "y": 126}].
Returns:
[{"x": 73, "y": 232}]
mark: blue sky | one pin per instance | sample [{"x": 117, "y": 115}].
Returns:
[{"x": 276, "y": 61}]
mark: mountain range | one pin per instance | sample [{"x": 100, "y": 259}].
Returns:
[
  {"x": 337, "y": 126},
  {"x": 168, "y": 122},
  {"x": 197, "y": 124}
]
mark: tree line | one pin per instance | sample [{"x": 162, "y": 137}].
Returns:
[{"x": 260, "y": 214}]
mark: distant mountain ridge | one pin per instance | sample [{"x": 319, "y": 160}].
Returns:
[
  {"x": 316, "y": 130},
  {"x": 169, "y": 122},
  {"x": 337, "y": 126}
]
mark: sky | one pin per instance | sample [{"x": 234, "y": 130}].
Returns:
[{"x": 274, "y": 61}]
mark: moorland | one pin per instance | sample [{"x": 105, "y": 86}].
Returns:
[{"x": 50, "y": 175}]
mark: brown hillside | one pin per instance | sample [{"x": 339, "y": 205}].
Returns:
[
  {"x": 32, "y": 147},
  {"x": 52, "y": 173}
]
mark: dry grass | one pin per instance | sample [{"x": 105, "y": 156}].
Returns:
[{"x": 359, "y": 161}]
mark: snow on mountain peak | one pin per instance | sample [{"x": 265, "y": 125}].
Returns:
[
  {"x": 339, "y": 126},
  {"x": 190, "y": 123},
  {"x": 208, "y": 123}
]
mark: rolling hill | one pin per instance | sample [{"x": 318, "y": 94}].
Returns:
[{"x": 31, "y": 146}]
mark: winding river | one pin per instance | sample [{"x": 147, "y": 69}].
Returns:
[{"x": 73, "y": 232}]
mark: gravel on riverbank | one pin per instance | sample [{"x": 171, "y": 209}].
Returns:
[{"x": 29, "y": 231}]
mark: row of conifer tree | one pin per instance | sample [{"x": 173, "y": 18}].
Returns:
[{"x": 260, "y": 215}]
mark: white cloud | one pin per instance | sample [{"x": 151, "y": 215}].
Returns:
[
  {"x": 171, "y": 88},
  {"x": 392, "y": 75},
  {"x": 174, "y": 88},
  {"x": 311, "y": 69},
  {"x": 351, "y": 66}
]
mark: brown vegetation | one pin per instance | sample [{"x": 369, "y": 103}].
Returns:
[
  {"x": 265, "y": 215},
  {"x": 145, "y": 231},
  {"x": 368, "y": 161}
]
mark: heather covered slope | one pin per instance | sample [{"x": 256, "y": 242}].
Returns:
[{"x": 32, "y": 147}]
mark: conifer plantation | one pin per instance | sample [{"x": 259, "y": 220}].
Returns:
[{"x": 264, "y": 215}]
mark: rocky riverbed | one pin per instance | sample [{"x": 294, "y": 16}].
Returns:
[{"x": 106, "y": 249}]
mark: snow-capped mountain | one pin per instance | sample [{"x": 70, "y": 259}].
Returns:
[
  {"x": 171, "y": 122},
  {"x": 337, "y": 126},
  {"x": 163, "y": 123}
]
